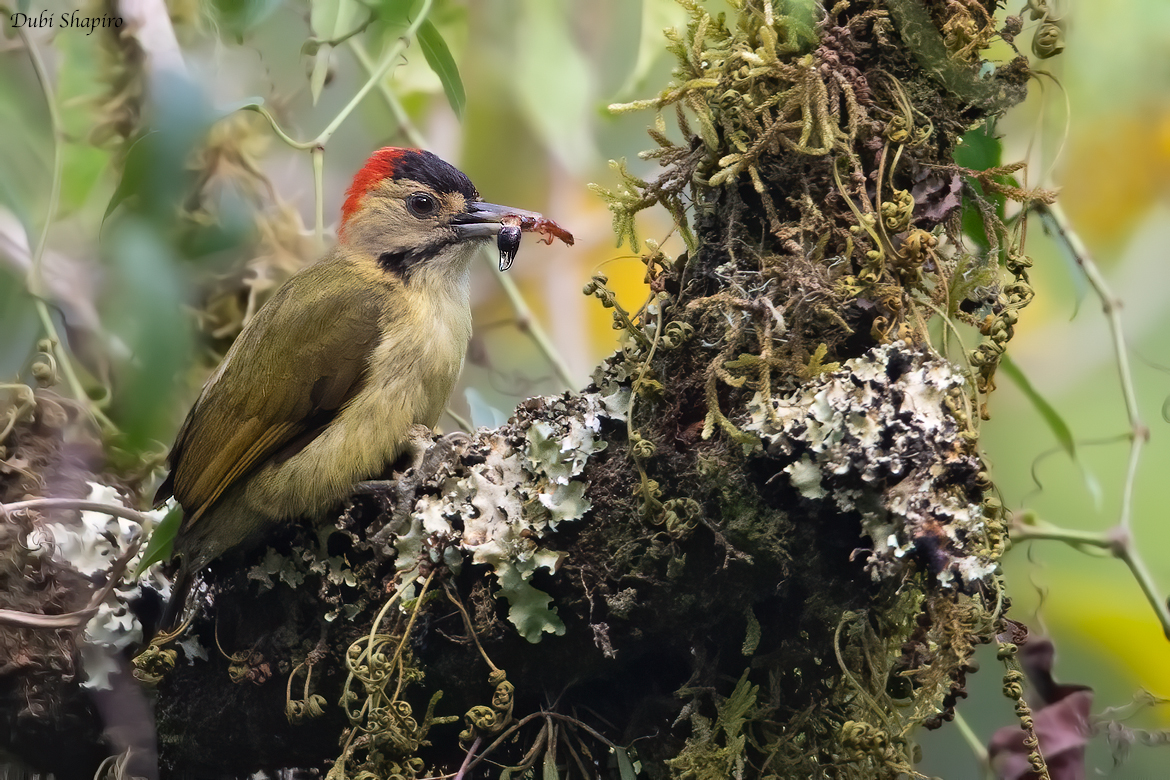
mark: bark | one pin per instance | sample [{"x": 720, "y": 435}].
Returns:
[{"x": 760, "y": 544}]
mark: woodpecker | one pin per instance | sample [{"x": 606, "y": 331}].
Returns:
[{"x": 322, "y": 387}]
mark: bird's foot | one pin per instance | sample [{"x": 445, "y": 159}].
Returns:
[
  {"x": 418, "y": 461},
  {"x": 420, "y": 440},
  {"x": 373, "y": 487},
  {"x": 457, "y": 437}
]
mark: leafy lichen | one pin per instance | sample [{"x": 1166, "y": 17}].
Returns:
[{"x": 506, "y": 502}]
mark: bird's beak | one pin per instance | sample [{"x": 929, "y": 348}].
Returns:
[{"x": 482, "y": 220}]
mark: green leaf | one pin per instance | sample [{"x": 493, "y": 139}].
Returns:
[
  {"x": 549, "y": 769},
  {"x": 529, "y": 611},
  {"x": 329, "y": 19},
  {"x": 439, "y": 57},
  {"x": 1055, "y": 422},
  {"x": 979, "y": 149},
  {"x": 394, "y": 14},
  {"x": 1093, "y": 485},
  {"x": 143, "y": 310},
  {"x": 156, "y": 177},
  {"x": 133, "y": 173},
  {"x": 323, "y": 17},
  {"x": 253, "y": 103},
  {"x": 321, "y": 54},
  {"x": 162, "y": 541},
  {"x": 239, "y": 17},
  {"x": 625, "y": 766},
  {"x": 554, "y": 83},
  {"x": 83, "y": 168}
]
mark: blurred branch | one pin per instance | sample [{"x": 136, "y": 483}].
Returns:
[
  {"x": 400, "y": 115},
  {"x": 316, "y": 146},
  {"x": 375, "y": 78},
  {"x": 529, "y": 324},
  {"x": 116, "y": 510},
  {"x": 379, "y": 73},
  {"x": 66, "y": 364},
  {"x": 1139, "y": 434},
  {"x": 459, "y": 419},
  {"x": 318, "y": 155},
  {"x": 1117, "y": 541},
  {"x": 113, "y": 576},
  {"x": 276, "y": 128},
  {"x": 38, "y": 252},
  {"x": 316, "y": 43},
  {"x": 33, "y": 279},
  {"x": 977, "y": 747}
]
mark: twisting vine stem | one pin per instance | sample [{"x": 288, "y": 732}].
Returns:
[
  {"x": 33, "y": 280},
  {"x": 376, "y": 76},
  {"x": 1118, "y": 541},
  {"x": 404, "y": 124}
]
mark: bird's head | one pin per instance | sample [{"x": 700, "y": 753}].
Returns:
[{"x": 411, "y": 210}]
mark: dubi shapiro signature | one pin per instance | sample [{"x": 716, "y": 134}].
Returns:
[{"x": 68, "y": 20}]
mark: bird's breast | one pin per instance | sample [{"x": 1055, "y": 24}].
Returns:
[
  {"x": 409, "y": 377},
  {"x": 419, "y": 359}
]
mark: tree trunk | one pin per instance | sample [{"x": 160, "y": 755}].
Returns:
[{"x": 761, "y": 543}]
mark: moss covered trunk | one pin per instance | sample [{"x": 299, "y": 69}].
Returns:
[
  {"x": 762, "y": 543},
  {"x": 779, "y": 553}
]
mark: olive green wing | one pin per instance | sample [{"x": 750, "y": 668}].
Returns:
[{"x": 286, "y": 377}]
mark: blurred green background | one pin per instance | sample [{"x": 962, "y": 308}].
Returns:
[
  {"x": 151, "y": 273},
  {"x": 1099, "y": 131}
]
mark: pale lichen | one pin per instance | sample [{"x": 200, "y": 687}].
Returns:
[
  {"x": 90, "y": 545},
  {"x": 522, "y": 482},
  {"x": 879, "y": 438}
]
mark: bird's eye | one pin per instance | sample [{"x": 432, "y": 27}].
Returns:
[{"x": 422, "y": 204}]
